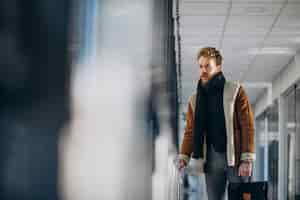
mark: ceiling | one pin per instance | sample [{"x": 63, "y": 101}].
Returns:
[{"x": 257, "y": 39}]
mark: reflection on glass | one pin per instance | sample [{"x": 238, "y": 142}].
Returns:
[
  {"x": 261, "y": 147},
  {"x": 290, "y": 128},
  {"x": 293, "y": 136},
  {"x": 267, "y": 137},
  {"x": 297, "y": 146},
  {"x": 273, "y": 139}
]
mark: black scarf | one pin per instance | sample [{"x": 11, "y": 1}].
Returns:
[{"x": 200, "y": 123}]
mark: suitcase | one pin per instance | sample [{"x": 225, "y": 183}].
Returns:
[
  {"x": 188, "y": 184},
  {"x": 248, "y": 191},
  {"x": 176, "y": 182},
  {"x": 181, "y": 183}
]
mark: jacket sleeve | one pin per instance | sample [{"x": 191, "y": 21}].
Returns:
[
  {"x": 246, "y": 125},
  {"x": 187, "y": 143}
]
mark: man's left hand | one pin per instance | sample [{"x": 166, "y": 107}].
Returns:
[{"x": 245, "y": 169}]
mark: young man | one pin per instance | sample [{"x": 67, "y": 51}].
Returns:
[{"x": 219, "y": 133}]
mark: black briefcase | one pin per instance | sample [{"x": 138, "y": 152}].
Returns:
[{"x": 248, "y": 191}]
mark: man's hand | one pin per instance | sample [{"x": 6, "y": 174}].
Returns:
[
  {"x": 181, "y": 164},
  {"x": 245, "y": 169}
]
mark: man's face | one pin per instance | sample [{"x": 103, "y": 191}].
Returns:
[{"x": 208, "y": 68}]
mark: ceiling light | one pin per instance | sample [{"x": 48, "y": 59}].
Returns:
[
  {"x": 272, "y": 50},
  {"x": 296, "y": 40},
  {"x": 290, "y": 125},
  {"x": 255, "y": 10}
]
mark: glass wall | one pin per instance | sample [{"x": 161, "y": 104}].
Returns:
[
  {"x": 273, "y": 140},
  {"x": 267, "y": 137},
  {"x": 292, "y": 120},
  {"x": 297, "y": 196},
  {"x": 259, "y": 172}
]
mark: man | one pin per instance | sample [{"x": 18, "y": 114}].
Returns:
[{"x": 219, "y": 133}]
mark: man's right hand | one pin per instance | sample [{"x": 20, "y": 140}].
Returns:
[{"x": 181, "y": 164}]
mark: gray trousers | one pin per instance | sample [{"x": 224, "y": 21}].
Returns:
[{"x": 218, "y": 175}]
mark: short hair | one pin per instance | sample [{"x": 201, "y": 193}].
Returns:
[{"x": 210, "y": 52}]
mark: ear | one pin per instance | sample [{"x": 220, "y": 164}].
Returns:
[{"x": 212, "y": 62}]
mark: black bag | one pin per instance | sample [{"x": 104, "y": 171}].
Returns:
[{"x": 248, "y": 191}]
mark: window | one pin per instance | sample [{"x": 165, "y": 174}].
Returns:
[
  {"x": 273, "y": 153},
  {"x": 267, "y": 139},
  {"x": 293, "y": 139}
]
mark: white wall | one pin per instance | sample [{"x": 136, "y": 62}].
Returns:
[
  {"x": 281, "y": 83},
  {"x": 284, "y": 80}
]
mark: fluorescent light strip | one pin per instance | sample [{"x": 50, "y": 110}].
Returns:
[{"x": 272, "y": 50}]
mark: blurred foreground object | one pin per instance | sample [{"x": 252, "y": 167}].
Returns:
[{"x": 34, "y": 96}]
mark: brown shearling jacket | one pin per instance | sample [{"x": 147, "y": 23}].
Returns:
[{"x": 243, "y": 127}]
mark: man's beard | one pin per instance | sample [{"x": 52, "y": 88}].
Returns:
[{"x": 204, "y": 79}]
